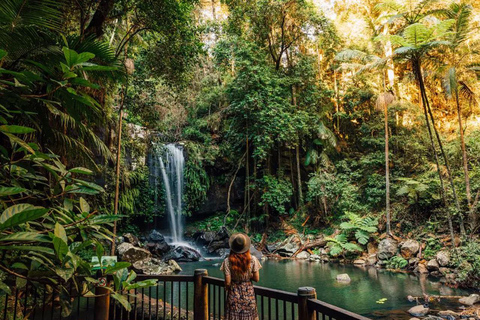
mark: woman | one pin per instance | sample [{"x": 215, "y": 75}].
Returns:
[{"x": 240, "y": 269}]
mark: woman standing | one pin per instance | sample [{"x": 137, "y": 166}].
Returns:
[{"x": 240, "y": 269}]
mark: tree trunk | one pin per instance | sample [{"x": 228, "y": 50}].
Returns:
[
  {"x": 421, "y": 86},
  {"x": 99, "y": 18},
  {"x": 117, "y": 177},
  {"x": 387, "y": 173}
]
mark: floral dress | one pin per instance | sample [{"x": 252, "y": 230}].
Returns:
[{"x": 241, "y": 303}]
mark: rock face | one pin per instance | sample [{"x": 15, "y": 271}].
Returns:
[
  {"x": 470, "y": 300},
  {"x": 158, "y": 249},
  {"x": 387, "y": 248},
  {"x": 303, "y": 255},
  {"x": 443, "y": 258},
  {"x": 254, "y": 252},
  {"x": 183, "y": 254},
  {"x": 288, "y": 247},
  {"x": 127, "y": 252},
  {"x": 212, "y": 241},
  {"x": 418, "y": 311},
  {"x": 343, "y": 277},
  {"x": 410, "y": 248}
]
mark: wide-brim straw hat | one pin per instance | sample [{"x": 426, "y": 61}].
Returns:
[{"x": 239, "y": 243}]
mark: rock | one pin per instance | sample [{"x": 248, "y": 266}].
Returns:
[
  {"x": 450, "y": 278},
  {"x": 444, "y": 270},
  {"x": 437, "y": 274},
  {"x": 158, "y": 249},
  {"x": 314, "y": 257},
  {"x": 443, "y": 258},
  {"x": 371, "y": 260},
  {"x": 413, "y": 262},
  {"x": 119, "y": 240},
  {"x": 127, "y": 252},
  {"x": 421, "y": 268},
  {"x": 303, "y": 255},
  {"x": 222, "y": 252},
  {"x": 448, "y": 313},
  {"x": 359, "y": 262},
  {"x": 410, "y": 248},
  {"x": 183, "y": 254},
  {"x": 432, "y": 265},
  {"x": 288, "y": 249},
  {"x": 371, "y": 248},
  {"x": 470, "y": 300},
  {"x": 343, "y": 278},
  {"x": 387, "y": 248},
  {"x": 325, "y": 259},
  {"x": 254, "y": 252},
  {"x": 414, "y": 319},
  {"x": 418, "y": 311},
  {"x": 155, "y": 236},
  {"x": 174, "y": 265},
  {"x": 130, "y": 238},
  {"x": 151, "y": 267},
  {"x": 433, "y": 318}
]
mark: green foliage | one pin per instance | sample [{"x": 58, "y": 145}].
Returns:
[
  {"x": 340, "y": 246},
  {"x": 396, "y": 262},
  {"x": 277, "y": 193},
  {"x": 361, "y": 227},
  {"x": 433, "y": 245},
  {"x": 467, "y": 261}
]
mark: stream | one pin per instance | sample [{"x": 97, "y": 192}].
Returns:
[{"x": 368, "y": 285}]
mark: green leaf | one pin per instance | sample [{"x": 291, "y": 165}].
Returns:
[
  {"x": 84, "y": 57},
  {"x": 10, "y": 191},
  {"x": 84, "y": 206},
  {"x": 26, "y": 236},
  {"x": 60, "y": 232},
  {"x": 142, "y": 284},
  {"x": 3, "y": 53},
  {"x": 20, "y": 213},
  {"x": 27, "y": 248},
  {"x": 23, "y": 144},
  {"x": 16, "y": 129},
  {"x": 117, "y": 266},
  {"x": 64, "y": 273},
  {"x": 60, "y": 246},
  {"x": 81, "y": 170},
  {"x": 5, "y": 288},
  {"x": 84, "y": 83},
  {"x": 71, "y": 56},
  {"x": 123, "y": 301}
]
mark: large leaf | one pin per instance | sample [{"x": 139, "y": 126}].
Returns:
[
  {"x": 27, "y": 248},
  {"x": 84, "y": 206},
  {"x": 117, "y": 266},
  {"x": 26, "y": 236},
  {"x": 10, "y": 191},
  {"x": 81, "y": 170},
  {"x": 23, "y": 144},
  {"x": 16, "y": 129},
  {"x": 60, "y": 232},
  {"x": 123, "y": 300},
  {"x": 60, "y": 246}
]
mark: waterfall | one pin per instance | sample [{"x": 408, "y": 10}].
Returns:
[{"x": 171, "y": 162}]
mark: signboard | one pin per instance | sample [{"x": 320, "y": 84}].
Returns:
[{"x": 107, "y": 261}]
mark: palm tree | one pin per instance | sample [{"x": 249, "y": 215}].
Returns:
[
  {"x": 412, "y": 46},
  {"x": 457, "y": 50}
]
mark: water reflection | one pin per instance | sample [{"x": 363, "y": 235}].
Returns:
[{"x": 367, "y": 285}]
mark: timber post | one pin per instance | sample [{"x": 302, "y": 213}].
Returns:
[
  {"x": 200, "y": 304},
  {"x": 305, "y": 293}
]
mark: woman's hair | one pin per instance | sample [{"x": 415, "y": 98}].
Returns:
[{"x": 239, "y": 262}]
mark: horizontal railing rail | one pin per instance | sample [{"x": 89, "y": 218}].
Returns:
[{"x": 174, "y": 297}]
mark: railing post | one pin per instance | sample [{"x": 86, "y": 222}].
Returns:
[
  {"x": 305, "y": 293},
  {"x": 200, "y": 298}
]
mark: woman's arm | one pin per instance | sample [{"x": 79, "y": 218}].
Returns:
[
  {"x": 228, "y": 282},
  {"x": 255, "y": 276}
]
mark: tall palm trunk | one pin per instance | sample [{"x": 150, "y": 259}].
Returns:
[
  {"x": 464, "y": 158},
  {"x": 418, "y": 74}
]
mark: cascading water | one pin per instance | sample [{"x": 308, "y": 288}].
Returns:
[{"x": 169, "y": 161}]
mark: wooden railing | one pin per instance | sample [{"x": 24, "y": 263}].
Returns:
[{"x": 195, "y": 297}]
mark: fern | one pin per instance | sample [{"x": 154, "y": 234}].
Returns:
[
  {"x": 339, "y": 245},
  {"x": 362, "y": 228}
]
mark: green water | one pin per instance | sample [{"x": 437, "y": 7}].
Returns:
[{"x": 368, "y": 285}]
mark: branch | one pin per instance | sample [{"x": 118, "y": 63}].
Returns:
[{"x": 230, "y": 189}]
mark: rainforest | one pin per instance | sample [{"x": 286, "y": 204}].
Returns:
[{"x": 342, "y": 136}]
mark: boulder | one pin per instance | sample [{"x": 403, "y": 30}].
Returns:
[
  {"x": 387, "y": 248},
  {"x": 443, "y": 258},
  {"x": 432, "y": 265},
  {"x": 222, "y": 252},
  {"x": 414, "y": 319},
  {"x": 371, "y": 248},
  {"x": 155, "y": 237},
  {"x": 418, "y": 311},
  {"x": 288, "y": 249},
  {"x": 359, "y": 262},
  {"x": 183, "y": 254},
  {"x": 325, "y": 259},
  {"x": 421, "y": 268},
  {"x": 410, "y": 248},
  {"x": 343, "y": 278},
  {"x": 174, "y": 266},
  {"x": 413, "y": 262},
  {"x": 470, "y": 300},
  {"x": 158, "y": 249},
  {"x": 433, "y": 318},
  {"x": 444, "y": 270},
  {"x": 303, "y": 255},
  {"x": 127, "y": 252},
  {"x": 371, "y": 260},
  {"x": 151, "y": 267},
  {"x": 450, "y": 278},
  {"x": 217, "y": 244},
  {"x": 130, "y": 238},
  {"x": 314, "y": 257},
  {"x": 448, "y": 313},
  {"x": 254, "y": 252}
]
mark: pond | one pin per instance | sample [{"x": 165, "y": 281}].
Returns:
[{"x": 368, "y": 285}]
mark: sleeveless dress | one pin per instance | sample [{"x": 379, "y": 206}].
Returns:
[{"x": 241, "y": 303}]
